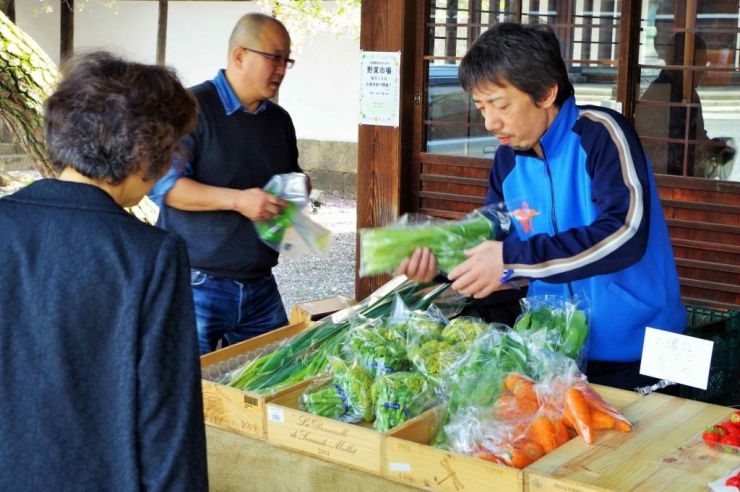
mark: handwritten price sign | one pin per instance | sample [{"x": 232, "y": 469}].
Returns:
[{"x": 678, "y": 358}]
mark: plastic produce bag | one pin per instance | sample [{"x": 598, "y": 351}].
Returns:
[
  {"x": 564, "y": 321},
  {"x": 342, "y": 393},
  {"x": 292, "y": 233},
  {"x": 401, "y": 396},
  {"x": 383, "y": 249}
]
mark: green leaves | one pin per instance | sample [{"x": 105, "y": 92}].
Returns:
[{"x": 383, "y": 249}]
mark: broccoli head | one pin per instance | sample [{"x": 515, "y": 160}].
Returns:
[
  {"x": 463, "y": 329},
  {"x": 434, "y": 357}
]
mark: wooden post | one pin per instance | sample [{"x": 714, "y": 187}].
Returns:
[
  {"x": 162, "y": 32},
  {"x": 66, "y": 29},
  {"x": 386, "y": 25}
]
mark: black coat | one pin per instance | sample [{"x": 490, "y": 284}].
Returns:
[{"x": 99, "y": 367}]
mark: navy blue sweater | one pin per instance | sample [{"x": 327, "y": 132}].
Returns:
[{"x": 240, "y": 151}]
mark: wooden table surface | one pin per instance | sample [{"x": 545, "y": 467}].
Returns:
[{"x": 663, "y": 453}]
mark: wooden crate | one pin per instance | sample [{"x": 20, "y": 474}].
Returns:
[
  {"x": 410, "y": 459},
  {"x": 320, "y": 308},
  {"x": 358, "y": 446},
  {"x": 662, "y": 454},
  {"x": 234, "y": 410}
]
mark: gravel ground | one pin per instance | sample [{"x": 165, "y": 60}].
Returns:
[
  {"x": 313, "y": 277},
  {"x": 307, "y": 278}
]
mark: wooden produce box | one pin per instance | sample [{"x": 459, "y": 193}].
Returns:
[
  {"x": 663, "y": 453},
  {"x": 357, "y": 446},
  {"x": 320, "y": 308},
  {"x": 234, "y": 410},
  {"x": 410, "y": 459}
]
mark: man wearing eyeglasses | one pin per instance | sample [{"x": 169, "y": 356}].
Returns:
[{"x": 242, "y": 140}]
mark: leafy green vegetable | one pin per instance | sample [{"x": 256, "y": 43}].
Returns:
[
  {"x": 399, "y": 397},
  {"x": 568, "y": 323},
  {"x": 272, "y": 231},
  {"x": 434, "y": 357},
  {"x": 344, "y": 396},
  {"x": 307, "y": 354},
  {"x": 463, "y": 329},
  {"x": 382, "y": 249},
  {"x": 381, "y": 348},
  {"x": 477, "y": 379}
]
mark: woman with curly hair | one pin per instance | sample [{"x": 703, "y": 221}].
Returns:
[{"x": 99, "y": 363}]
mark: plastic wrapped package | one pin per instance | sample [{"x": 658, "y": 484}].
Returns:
[
  {"x": 383, "y": 249},
  {"x": 342, "y": 393},
  {"x": 400, "y": 396},
  {"x": 292, "y": 232},
  {"x": 564, "y": 319}
]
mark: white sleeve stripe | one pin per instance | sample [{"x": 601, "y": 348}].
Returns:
[{"x": 616, "y": 240}]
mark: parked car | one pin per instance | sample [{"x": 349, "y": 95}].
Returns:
[{"x": 455, "y": 126}]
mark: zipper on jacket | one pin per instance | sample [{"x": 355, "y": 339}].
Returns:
[{"x": 553, "y": 216}]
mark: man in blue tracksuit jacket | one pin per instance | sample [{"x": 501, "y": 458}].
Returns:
[{"x": 587, "y": 219}]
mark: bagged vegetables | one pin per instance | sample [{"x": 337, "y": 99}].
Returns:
[
  {"x": 307, "y": 354},
  {"x": 382, "y": 249},
  {"x": 343, "y": 393},
  {"x": 291, "y": 232},
  {"x": 399, "y": 397},
  {"x": 562, "y": 317}
]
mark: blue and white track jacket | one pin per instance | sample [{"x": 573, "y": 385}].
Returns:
[{"x": 588, "y": 222}]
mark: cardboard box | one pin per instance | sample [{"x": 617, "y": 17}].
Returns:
[
  {"x": 412, "y": 461},
  {"x": 320, "y": 308},
  {"x": 232, "y": 409}
]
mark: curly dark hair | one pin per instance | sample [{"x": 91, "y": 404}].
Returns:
[
  {"x": 109, "y": 118},
  {"x": 526, "y": 56}
]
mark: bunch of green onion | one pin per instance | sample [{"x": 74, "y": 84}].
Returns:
[
  {"x": 383, "y": 249},
  {"x": 307, "y": 354}
]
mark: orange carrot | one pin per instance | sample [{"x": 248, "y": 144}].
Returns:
[
  {"x": 542, "y": 432},
  {"x": 601, "y": 420},
  {"x": 532, "y": 450},
  {"x": 622, "y": 424},
  {"x": 561, "y": 431},
  {"x": 484, "y": 455},
  {"x": 579, "y": 413},
  {"x": 567, "y": 420},
  {"x": 520, "y": 386},
  {"x": 524, "y": 454},
  {"x": 509, "y": 407},
  {"x": 596, "y": 402}
]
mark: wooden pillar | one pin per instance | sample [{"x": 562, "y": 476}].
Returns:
[
  {"x": 382, "y": 191},
  {"x": 66, "y": 29},
  {"x": 162, "y": 32}
]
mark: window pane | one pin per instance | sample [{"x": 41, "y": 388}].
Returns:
[
  {"x": 453, "y": 125},
  {"x": 589, "y": 35},
  {"x": 688, "y": 108}
]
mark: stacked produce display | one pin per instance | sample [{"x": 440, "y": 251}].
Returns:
[{"x": 507, "y": 394}]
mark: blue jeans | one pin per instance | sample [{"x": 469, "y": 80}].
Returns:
[{"x": 235, "y": 311}]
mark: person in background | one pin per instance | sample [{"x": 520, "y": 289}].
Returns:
[
  {"x": 597, "y": 231},
  {"x": 242, "y": 140},
  {"x": 679, "y": 122},
  {"x": 99, "y": 361}
]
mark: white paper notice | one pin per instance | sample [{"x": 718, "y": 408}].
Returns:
[
  {"x": 380, "y": 88},
  {"x": 678, "y": 358}
]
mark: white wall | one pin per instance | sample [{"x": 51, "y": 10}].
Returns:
[{"x": 320, "y": 92}]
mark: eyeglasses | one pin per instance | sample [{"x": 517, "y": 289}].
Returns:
[{"x": 276, "y": 60}]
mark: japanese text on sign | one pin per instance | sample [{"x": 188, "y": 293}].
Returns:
[
  {"x": 380, "y": 86},
  {"x": 678, "y": 358}
]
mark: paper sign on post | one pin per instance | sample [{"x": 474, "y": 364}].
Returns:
[
  {"x": 678, "y": 358},
  {"x": 380, "y": 88}
]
